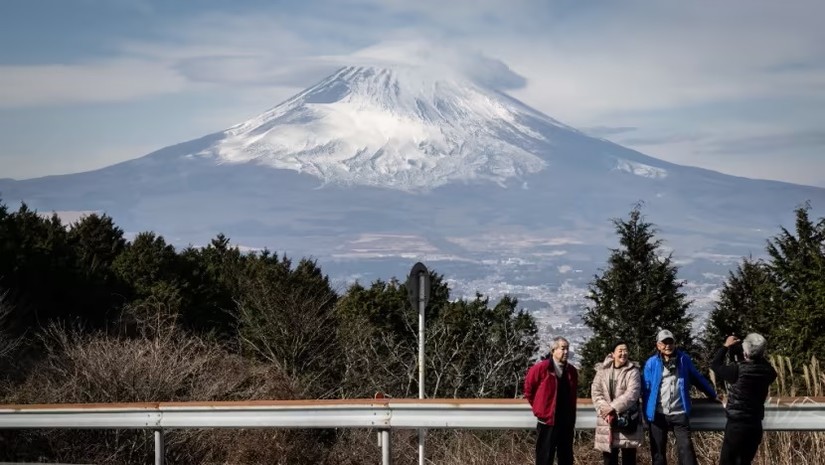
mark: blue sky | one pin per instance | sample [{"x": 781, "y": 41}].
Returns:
[{"x": 736, "y": 86}]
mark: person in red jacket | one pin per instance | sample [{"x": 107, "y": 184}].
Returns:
[{"x": 550, "y": 387}]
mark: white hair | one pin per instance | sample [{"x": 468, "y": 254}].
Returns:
[
  {"x": 754, "y": 345},
  {"x": 557, "y": 342}
]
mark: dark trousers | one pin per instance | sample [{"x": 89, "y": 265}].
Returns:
[
  {"x": 741, "y": 442},
  {"x": 612, "y": 457},
  {"x": 553, "y": 440},
  {"x": 680, "y": 425}
]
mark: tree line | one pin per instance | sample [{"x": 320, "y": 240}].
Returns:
[
  {"x": 329, "y": 343},
  {"x": 88, "y": 280}
]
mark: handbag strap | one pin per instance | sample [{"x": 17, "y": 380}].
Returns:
[{"x": 611, "y": 383}]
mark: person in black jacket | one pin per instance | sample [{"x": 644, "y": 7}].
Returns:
[{"x": 749, "y": 381}]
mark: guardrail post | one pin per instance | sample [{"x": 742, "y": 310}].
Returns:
[
  {"x": 159, "y": 447},
  {"x": 386, "y": 447},
  {"x": 422, "y": 434}
]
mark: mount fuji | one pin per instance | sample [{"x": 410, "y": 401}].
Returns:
[{"x": 374, "y": 168}]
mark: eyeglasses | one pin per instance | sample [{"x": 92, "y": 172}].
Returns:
[{"x": 667, "y": 341}]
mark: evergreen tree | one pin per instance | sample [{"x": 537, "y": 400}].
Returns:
[
  {"x": 797, "y": 264},
  {"x": 385, "y": 304},
  {"x": 215, "y": 274},
  {"x": 746, "y": 304},
  {"x": 96, "y": 243},
  {"x": 37, "y": 268},
  {"x": 152, "y": 270},
  {"x": 636, "y": 296}
]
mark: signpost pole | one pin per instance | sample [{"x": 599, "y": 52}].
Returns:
[
  {"x": 422, "y": 282},
  {"x": 418, "y": 289}
]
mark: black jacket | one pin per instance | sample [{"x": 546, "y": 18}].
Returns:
[{"x": 749, "y": 382}]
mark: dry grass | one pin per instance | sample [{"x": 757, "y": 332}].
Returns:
[
  {"x": 167, "y": 366},
  {"x": 807, "y": 379}
]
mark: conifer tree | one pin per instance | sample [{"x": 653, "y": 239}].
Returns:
[
  {"x": 36, "y": 268},
  {"x": 635, "y": 296},
  {"x": 797, "y": 263},
  {"x": 96, "y": 242},
  {"x": 151, "y": 268},
  {"x": 746, "y": 304},
  {"x": 215, "y": 274}
]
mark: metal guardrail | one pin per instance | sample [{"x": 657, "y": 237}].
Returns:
[
  {"x": 782, "y": 414},
  {"x": 799, "y": 413}
]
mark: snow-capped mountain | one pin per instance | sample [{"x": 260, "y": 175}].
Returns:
[
  {"x": 398, "y": 128},
  {"x": 401, "y": 128},
  {"x": 374, "y": 168}
]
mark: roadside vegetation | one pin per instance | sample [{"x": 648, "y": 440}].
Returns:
[{"x": 89, "y": 315}]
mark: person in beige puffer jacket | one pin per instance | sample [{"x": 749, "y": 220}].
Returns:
[{"x": 615, "y": 389}]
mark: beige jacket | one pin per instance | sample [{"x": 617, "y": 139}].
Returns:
[{"x": 628, "y": 385}]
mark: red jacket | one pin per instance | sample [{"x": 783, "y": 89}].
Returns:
[{"x": 540, "y": 389}]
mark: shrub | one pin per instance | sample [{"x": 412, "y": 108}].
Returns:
[{"x": 167, "y": 366}]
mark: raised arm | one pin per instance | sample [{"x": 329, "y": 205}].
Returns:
[{"x": 724, "y": 371}]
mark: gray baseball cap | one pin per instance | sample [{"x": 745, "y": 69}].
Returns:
[{"x": 664, "y": 334}]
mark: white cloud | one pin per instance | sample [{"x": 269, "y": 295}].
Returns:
[
  {"x": 206, "y": 51},
  {"x": 632, "y": 56},
  {"x": 756, "y": 151},
  {"x": 587, "y": 62},
  {"x": 108, "y": 81}
]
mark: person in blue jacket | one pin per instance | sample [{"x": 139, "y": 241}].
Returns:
[{"x": 666, "y": 382}]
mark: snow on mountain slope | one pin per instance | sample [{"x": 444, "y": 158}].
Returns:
[
  {"x": 641, "y": 169},
  {"x": 398, "y": 128}
]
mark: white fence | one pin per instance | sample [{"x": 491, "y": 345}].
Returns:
[{"x": 786, "y": 414}]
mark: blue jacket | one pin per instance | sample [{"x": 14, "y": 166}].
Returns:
[{"x": 687, "y": 375}]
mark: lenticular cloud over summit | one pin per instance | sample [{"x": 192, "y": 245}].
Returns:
[
  {"x": 437, "y": 59},
  {"x": 398, "y": 127}
]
